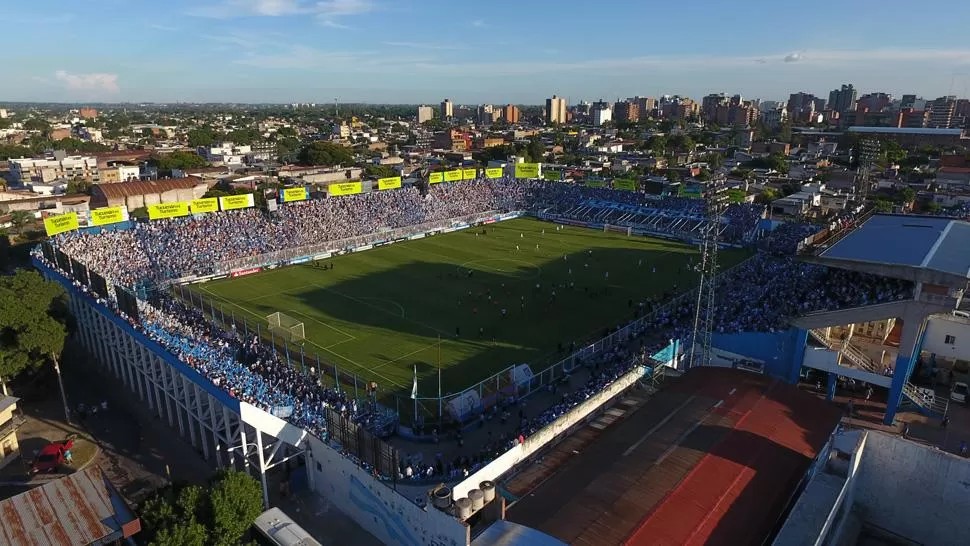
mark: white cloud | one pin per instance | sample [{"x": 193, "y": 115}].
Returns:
[
  {"x": 479, "y": 23},
  {"x": 336, "y": 8},
  {"x": 163, "y": 28},
  {"x": 311, "y": 59},
  {"x": 333, "y": 24},
  {"x": 793, "y": 57},
  {"x": 325, "y": 11},
  {"x": 94, "y": 81},
  {"x": 424, "y": 45}
]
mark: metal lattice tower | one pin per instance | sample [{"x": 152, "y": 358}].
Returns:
[
  {"x": 868, "y": 150},
  {"x": 707, "y": 289}
]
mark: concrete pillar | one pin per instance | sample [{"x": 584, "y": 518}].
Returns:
[
  {"x": 833, "y": 381},
  {"x": 909, "y": 349}
]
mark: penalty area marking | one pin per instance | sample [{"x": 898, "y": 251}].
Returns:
[
  {"x": 385, "y": 300},
  {"x": 480, "y": 264}
]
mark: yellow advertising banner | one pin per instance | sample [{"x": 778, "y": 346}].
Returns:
[
  {"x": 469, "y": 174},
  {"x": 345, "y": 188},
  {"x": 207, "y": 204},
  {"x": 108, "y": 215},
  {"x": 233, "y": 202},
  {"x": 527, "y": 170},
  {"x": 453, "y": 176},
  {"x": 436, "y": 178},
  {"x": 495, "y": 172},
  {"x": 389, "y": 183},
  {"x": 168, "y": 210},
  {"x": 625, "y": 184},
  {"x": 60, "y": 223},
  {"x": 294, "y": 194}
]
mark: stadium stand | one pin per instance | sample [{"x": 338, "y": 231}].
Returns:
[{"x": 761, "y": 294}]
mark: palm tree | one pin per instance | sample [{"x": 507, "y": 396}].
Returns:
[{"x": 19, "y": 219}]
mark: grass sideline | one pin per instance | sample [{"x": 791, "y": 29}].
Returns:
[{"x": 379, "y": 313}]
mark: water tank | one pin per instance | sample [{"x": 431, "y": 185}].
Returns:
[
  {"x": 477, "y": 498},
  {"x": 441, "y": 497},
  {"x": 464, "y": 508},
  {"x": 488, "y": 488}
]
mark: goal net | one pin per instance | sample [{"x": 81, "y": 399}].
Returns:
[
  {"x": 618, "y": 229},
  {"x": 286, "y": 326}
]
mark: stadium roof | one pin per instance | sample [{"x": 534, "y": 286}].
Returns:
[
  {"x": 713, "y": 458},
  {"x": 906, "y": 131},
  {"x": 76, "y": 510},
  {"x": 924, "y": 248},
  {"x": 506, "y": 533}
]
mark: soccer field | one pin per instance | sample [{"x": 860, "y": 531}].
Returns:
[{"x": 475, "y": 303}]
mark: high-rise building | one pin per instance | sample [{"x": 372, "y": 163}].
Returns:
[
  {"x": 645, "y": 106},
  {"x": 555, "y": 110},
  {"x": 425, "y": 113},
  {"x": 842, "y": 100},
  {"x": 908, "y": 101},
  {"x": 941, "y": 112},
  {"x": 875, "y": 102},
  {"x": 483, "y": 114},
  {"x": 801, "y": 106},
  {"x": 447, "y": 109},
  {"x": 602, "y": 113},
  {"x": 961, "y": 113},
  {"x": 626, "y": 111},
  {"x": 510, "y": 113},
  {"x": 710, "y": 104}
]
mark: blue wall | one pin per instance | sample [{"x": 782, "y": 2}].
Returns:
[{"x": 780, "y": 351}]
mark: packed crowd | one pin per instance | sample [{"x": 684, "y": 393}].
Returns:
[{"x": 198, "y": 245}]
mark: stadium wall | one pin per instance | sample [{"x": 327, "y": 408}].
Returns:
[
  {"x": 208, "y": 417},
  {"x": 511, "y": 458},
  {"x": 781, "y": 353}
]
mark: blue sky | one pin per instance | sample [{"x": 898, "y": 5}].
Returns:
[{"x": 500, "y": 51}]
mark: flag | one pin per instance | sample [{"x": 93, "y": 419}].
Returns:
[{"x": 414, "y": 387}]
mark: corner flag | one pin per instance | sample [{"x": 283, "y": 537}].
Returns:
[{"x": 414, "y": 387}]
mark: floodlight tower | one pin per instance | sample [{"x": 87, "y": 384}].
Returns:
[{"x": 700, "y": 354}]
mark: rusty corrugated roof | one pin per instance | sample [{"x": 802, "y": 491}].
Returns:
[
  {"x": 75, "y": 510},
  {"x": 121, "y": 190}
]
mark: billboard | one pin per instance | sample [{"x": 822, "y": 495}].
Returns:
[
  {"x": 527, "y": 170},
  {"x": 495, "y": 172},
  {"x": 625, "y": 184},
  {"x": 469, "y": 174},
  {"x": 232, "y": 202},
  {"x": 295, "y": 194},
  {"x": 108, "y": 215},
  {"x": 389, "y": 183},
  {"x": 168, "y": 210},
  {"x": 60, "y": 223},
  {"x": 436, "y": 178},
  {"x": 554, "y": 176},
  {"x": 595, "y": 183},
  {"x": 344, "y": 188},
  {"x": 206, "y": 204},
  {"x": 453, "y": 175}
]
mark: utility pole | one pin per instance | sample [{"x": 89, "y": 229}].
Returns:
[{"x": 60, "y": 383}]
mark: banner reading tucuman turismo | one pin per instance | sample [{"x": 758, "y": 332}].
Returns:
[
  {"x": 61, "y": 223},
  {"x": 108, "y": 215},
  {"x": 453, "y": 175},
  {"x": 233, "y": 202},
  {"x": 344, "y": 188},
  {"x": 168, "y": 210},
  {"x": 469, "y": 174},
  {"x": 495, "y": 172},
  {"x": 436, "y": 178},
  {"x": 204, "y": 205},
  {"x": 389, "y": 183},
  {"x": 295, "y": 194},
  {"x": 527, "y": 170}
]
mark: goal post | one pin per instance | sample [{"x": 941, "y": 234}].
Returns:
[
  {"x": 286, "y": 326},
  {"x": 628, "y": 230}
]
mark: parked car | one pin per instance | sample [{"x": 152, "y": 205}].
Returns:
[
  {"x": 959, "y": 392},
  {"x": 52, "y": 456}
]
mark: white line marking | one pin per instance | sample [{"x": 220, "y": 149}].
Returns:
[
  {"x": 733, "y": 391},
  {"x": 719, "y": 402},
  {"x": 656, "y": 427}
]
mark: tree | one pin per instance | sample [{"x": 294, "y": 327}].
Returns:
[
  {"x": 202, "y": 136},
  {"x": 78, "y": 186},
  {"x": 379, "y": 171},
  {"x": 766, "y": 196},
  {"x": 179, "y": 159},
  {"x": 32, "y": 322},
  {"x": 20, "y": 219},
  {"x": 217, "y": 515},
  {"x": 325, "y": 153},
  {"x": 907, "y": 195}
]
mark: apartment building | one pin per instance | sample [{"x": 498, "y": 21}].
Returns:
[
  {"x": 120, "y": 173},
  {"x": 843, "y": 99},
  {"x": 555, "y": 110},
  {"x": 9, "y": 422},
  {"x": 54, "y": 167},
  {"x": 447, "y": 109},
  {"x": 942, "y": 112},
  {"x": 225, "y": 153},
  {"x": 626, "y": 111},
  {"x": 511, "y": 113},
  {"x": 425, "y": 113}
]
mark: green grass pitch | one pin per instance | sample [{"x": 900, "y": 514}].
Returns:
[{"x": 440, "y": 299}]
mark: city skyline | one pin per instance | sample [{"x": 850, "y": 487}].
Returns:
[{"x": 374, "y": 51}]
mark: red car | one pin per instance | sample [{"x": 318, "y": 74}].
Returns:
[{"x": 52, "y": 457}]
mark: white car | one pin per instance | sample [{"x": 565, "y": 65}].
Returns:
[{"x": 959, "y": 392}]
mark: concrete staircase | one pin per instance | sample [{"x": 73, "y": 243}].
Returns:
[
  {"x": 925, "y": 400},
  {"x": 850, "y": 352}
]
